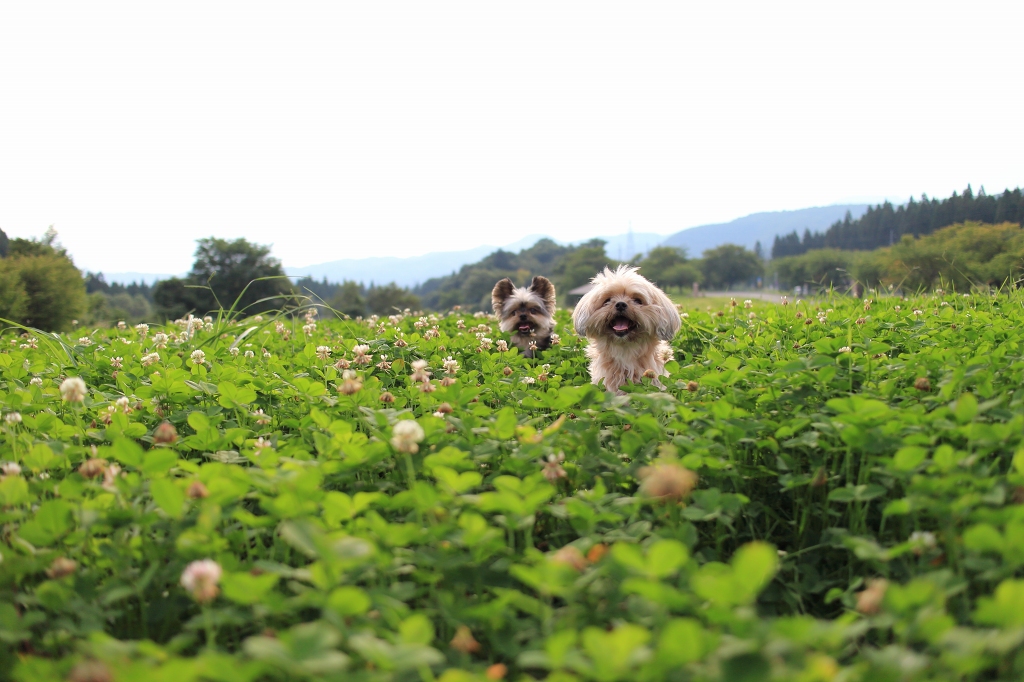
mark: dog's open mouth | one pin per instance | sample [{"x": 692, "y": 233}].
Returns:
[
  {"x": 525, "y": 328},
  {"x": 621, "y": 326}
]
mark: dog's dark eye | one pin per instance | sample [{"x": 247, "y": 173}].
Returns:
[
  {"x": 638, "y": 301},
  {"x": 607, "y": 301},
  {"x": 534, "y": 311}
]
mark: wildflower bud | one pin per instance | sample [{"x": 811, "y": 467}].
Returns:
[
  {"x": 93, "y": 467},
  {"x": 692, "y": 386},
  {"x": 427, "y": 387},
  {"x": 571, "y": 557},
  {"x": 667, "y": 481},
  {"x": 61, "y": 567},
  {"x": 596, "y": 552},
  {"x": 861, "y": 320},
  {"x": 808, "y": 321},
  {"x": 406, "y": 436},
  {"x": 444, "y": 408},
  {"x": 922, "y": 384},
  {"x": 869, "y": 601},
  {"x": 197, "y": 491},
  {"x": 820, "y": 478},
  {"x": 90, "y": 671},
  {"x": 447, "y": 381},
  {"x": 200, "y": 578},
  {"x": 165, "y": 434},
  {"x": 387, "y": 397},
  {"x": 11, "y": 469},
  {"x": 649, "y": 374},
  {"x": 463, "y": 641},
  {"x": 507, "y": 371},
  {"x": 496, "y": 671}
]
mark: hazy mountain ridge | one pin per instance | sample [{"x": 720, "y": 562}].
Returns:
[
  {"x": 414, "y": 270},
  {"x": 761, "y": 227}
]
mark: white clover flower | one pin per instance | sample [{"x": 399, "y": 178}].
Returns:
[
  {"x": 35, "y": 381},
  {"x": 198, "y": 357},
  {"x": 10, "y": 469},
  {"x": 142, "y": 329},
  {"x": 309, "y": 328},
  {"x": 528, "y": 380},
  {"x": 124, "y": 404},
  {"x": 897, "y": 308},
  {"x": 918, "y": 312},
  {"x": 150, "y": 358},
  {"x": 748, "y": 303},
  {"x": 73, "y": 390},
  {"x": 249, "y": 354},
  {"x": 555, "y": 339},
  {"x": 323, "y": 352},
  {"x": 406, "y": 436},
  {"x": 685, "y": 316},
  {"x": 234, "y": 352},
  {"x": 84, "y": 341},
  {"x": 451, "y": 366},
  {"x": 200, "y": 578},
  {"x": 845, "y": 349},
  {"x": 117, "y": 363},
  {"x": 13, "y": 418},
  {"x": 261, "y": 443},
  {"x": 257, "y": 319},
  {"x": 502, "y": 345},
  {"x": 121, "y": 325},
  {"x": 752, "y": 316},
  {"x": 261, "y": 417},
  {"x": 160, "y": 339},
  {"x": 266, "y": 354}
]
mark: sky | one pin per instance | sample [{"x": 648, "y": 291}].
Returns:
[{"x": 349, "y": 129}]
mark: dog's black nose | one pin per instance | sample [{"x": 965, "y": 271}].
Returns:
[
  {"x": 522, "y": 316},
  {"x": 620, "y": 306}
]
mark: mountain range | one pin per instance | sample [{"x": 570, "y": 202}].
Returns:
[{"x": 408, "y": 272}]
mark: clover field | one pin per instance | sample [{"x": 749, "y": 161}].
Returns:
[{"x": 825, "y": 490}]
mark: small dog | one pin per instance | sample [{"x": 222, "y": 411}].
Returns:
[
  {"x": 628, "y": 322},
  {"x": 528, "y": 312}
]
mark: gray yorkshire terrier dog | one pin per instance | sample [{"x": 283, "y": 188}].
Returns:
[
  {"x": 628, "y": 322},
  {"x": 528, "y": 313}
]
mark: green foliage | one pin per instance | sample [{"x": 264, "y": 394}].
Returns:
[
  {"x": 567, "y": 266},
  {"x": 389, "y": 299},
  {"x": 227, "y": 274},
  {"x": 728, "y": 265},
  {"x": 13, "y": 298},
  {"x": 668, "y": 266},
  {"x": 4, "y": 244},
  {"x": 857, "y": 514},
  {"x": 821, "y": 268},
  {"x": 54, "y": 291},
  {"x": 885, "y": 225}
]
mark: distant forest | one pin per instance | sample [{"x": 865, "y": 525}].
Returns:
[{"x": 885, "y": 225}]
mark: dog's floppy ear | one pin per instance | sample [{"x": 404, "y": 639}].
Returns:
[
  {"x": 543, "y": 287},
  {"x": 581, "y": 315},
  {"x": 668, "y": 318},
  {"x": 502, "y": 290}
]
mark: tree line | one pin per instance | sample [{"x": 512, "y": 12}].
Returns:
[{"x": 885, "y": 225}]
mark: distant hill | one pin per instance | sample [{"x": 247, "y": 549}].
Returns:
[
  {"x": 763, "y": 227},
  {"x": 405, "y": 272}
]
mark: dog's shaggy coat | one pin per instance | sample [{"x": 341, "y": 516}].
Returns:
[
  {"x": 528, "y": 312},
  {"x": 628, "y": 322}
]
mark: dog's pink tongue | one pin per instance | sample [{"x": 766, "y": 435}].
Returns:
[
  {"x": 621, "y": 326},
  {"x": 524, "y": 327}
]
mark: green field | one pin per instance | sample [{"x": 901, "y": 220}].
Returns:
[{"x": 824, "y": 491}]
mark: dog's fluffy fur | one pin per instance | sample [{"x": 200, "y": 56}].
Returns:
[
  {"x": 527, "y": 313},
  {"x": 628, "y": 322}
]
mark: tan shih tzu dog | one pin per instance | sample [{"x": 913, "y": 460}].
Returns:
[
  {"x": 628, "y": 323},
  {"x": 528, "y": 312}
]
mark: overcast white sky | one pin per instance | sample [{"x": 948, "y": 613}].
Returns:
[{"x": 343, "y": 129}]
